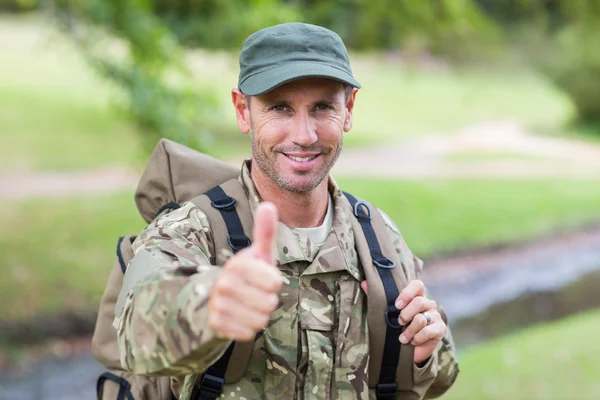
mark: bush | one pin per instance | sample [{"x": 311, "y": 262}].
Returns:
[
  {"x": 573, "y": 64},
  {"x": 18, "y": 5},
  {"x": 127, "y": 43}
]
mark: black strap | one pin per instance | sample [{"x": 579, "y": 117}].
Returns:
[
  {"x": 124, "y": 386},
  {"x": 387, "y": 387},
  {"x": 120, "y": 254},
  {"x": 237, "y": 239},
  {"x": 213, "y": 379},
  {"x": 122, "y": 262}
]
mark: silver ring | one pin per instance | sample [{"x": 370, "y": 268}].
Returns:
[{"x": 427, "y": 317}]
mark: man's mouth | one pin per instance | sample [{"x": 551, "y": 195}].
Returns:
[{"x": 300, "y": 159}]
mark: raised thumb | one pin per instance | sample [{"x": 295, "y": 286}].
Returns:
[{"x": 265, "y": 230}]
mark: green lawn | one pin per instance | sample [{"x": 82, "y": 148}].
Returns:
[
  {"x": 57, "y": 253},
  {"x": 55, "y": 113},
  {"x": 548, "y": 362},
  {"x": 444, "y": 215}
]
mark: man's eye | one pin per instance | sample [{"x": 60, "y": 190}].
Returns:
[
  {"x": 279, "y": 107},
  {"x": 323, "y": 107}
]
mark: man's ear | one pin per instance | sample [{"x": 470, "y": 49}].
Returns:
[
  {"x": 242, "y": 110},
  {"x": 349, "y": 109}
]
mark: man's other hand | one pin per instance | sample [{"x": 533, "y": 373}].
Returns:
[{"x": 418, "y": 332}]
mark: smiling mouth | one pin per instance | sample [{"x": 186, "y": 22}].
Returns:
[{"x": 300, "y": 159}]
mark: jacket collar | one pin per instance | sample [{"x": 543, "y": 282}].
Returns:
[{"x": 336, "y": 254}]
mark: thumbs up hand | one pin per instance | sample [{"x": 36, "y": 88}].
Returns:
[{"x": 247, "y": 290}]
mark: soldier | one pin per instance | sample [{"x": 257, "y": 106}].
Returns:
[{"x": 299, "y": 290}]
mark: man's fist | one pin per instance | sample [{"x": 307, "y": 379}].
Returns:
[
  {"x": 422, "y": 333},
  {"x": 247, "y": 290}
]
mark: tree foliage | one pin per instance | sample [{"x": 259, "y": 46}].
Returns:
[{"x": 129, "y": 45}]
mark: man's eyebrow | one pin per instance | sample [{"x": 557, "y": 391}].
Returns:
[
  {"x": 274, "y": 100},
  {"x": 331, "y": 99}
]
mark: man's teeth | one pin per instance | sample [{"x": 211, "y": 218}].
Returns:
[{"x": 302, "y": 159}]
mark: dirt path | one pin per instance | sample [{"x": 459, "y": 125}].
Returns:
[
  {"x": 59, "y": 184},
  {"x": 502, "y": 150}
]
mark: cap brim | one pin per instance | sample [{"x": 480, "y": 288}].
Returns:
[{"x": 265, "y": 81}]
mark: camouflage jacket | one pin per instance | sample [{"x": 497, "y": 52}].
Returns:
[{"x": 316, "y": 344}]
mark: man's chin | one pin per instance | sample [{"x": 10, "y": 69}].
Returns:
[{"x": 306, "y": 184}]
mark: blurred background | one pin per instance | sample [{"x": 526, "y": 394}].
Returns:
[{"x": 477, "y": 130}]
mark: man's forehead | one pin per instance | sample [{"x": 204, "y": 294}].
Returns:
[{"x": 307, "y": 86}]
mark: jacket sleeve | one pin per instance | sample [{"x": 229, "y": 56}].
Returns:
[
  {"x": 439, "y": 373},
  {"x": 162, "y": 321}
]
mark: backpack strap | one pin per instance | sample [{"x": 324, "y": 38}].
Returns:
[
  {"x": 227, "y": 208},
  {"x": 390, "y": 369}
]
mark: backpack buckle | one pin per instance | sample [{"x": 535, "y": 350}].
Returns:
[
  {"x": 238, "y": 242},
  {"x": 357, "y": 207},
  {"x": 223, "y": 203},
  {"x": 384, "y": 262},
  {"x": 386, "y": 391},
  {"x": 211, "y": 386},
  {"x": 391, "y": 318}
]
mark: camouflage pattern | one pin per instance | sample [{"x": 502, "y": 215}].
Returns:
[{"x": 316, "y": 343}]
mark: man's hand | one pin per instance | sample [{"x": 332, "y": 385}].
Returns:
[
  {"x": 247, "y": 290},
  {"x": 412, "y": 303}
]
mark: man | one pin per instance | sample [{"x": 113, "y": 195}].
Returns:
[{"x": 295, "y": 97}]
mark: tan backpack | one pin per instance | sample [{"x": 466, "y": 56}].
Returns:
[{"x": 176, "y": 174}]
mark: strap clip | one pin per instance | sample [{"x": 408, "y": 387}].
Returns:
[
  {"x": 211, "y": 386},
  {"x": 223, "y": 203},
  {"x": 391, "y": 318},
  {"x": 238, "y": 242},
  {"x": 357, "y": 213},
  {"x": 384, "y": 263},
  {"x": 386, "y": 391}
]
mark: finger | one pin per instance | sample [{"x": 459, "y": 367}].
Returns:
[
  {"x": 419, "y": 322},
  {"x": 234, "y": 312},
  {"x": 258, "y": 300},
  {"x": 265, "y": 228},
  {"x": 364, "y": 287},
  {"x": 263, "y": 276},
  {"x": 231, "y": 330},
  {"x": 413, "y": 289},
  {"x": 415, "y": 307},
  {"x": 256, "y": 273},
  {"x": 235, "y": 287},
  {"x": 434, "y": 331}
]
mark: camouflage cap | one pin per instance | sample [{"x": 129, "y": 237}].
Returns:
[{"x": 286, "y": 52}]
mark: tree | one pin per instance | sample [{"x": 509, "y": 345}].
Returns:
[{"x": 128, "y": 44}]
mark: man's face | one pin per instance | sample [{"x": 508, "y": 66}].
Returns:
[{"x": 297, "y": 131}]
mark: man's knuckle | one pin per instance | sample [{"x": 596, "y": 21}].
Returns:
[
  {"x": 433, "y": 305},
  {"x": 422, "y": 302}
]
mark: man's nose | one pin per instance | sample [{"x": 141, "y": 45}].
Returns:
[{"x": 303, "y": 132}]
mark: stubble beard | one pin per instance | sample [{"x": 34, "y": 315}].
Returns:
[{"x": 268, "y": 165}]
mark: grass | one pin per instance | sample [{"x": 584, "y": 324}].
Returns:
[
  {"x": 57, "y": 253},
  {"x": 548, "y": 362},
  {"x": 55, "y": 113},
  {"x": 445, "y": 215}
]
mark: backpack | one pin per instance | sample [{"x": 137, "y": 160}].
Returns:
[{"x": 176, "y": 174}]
